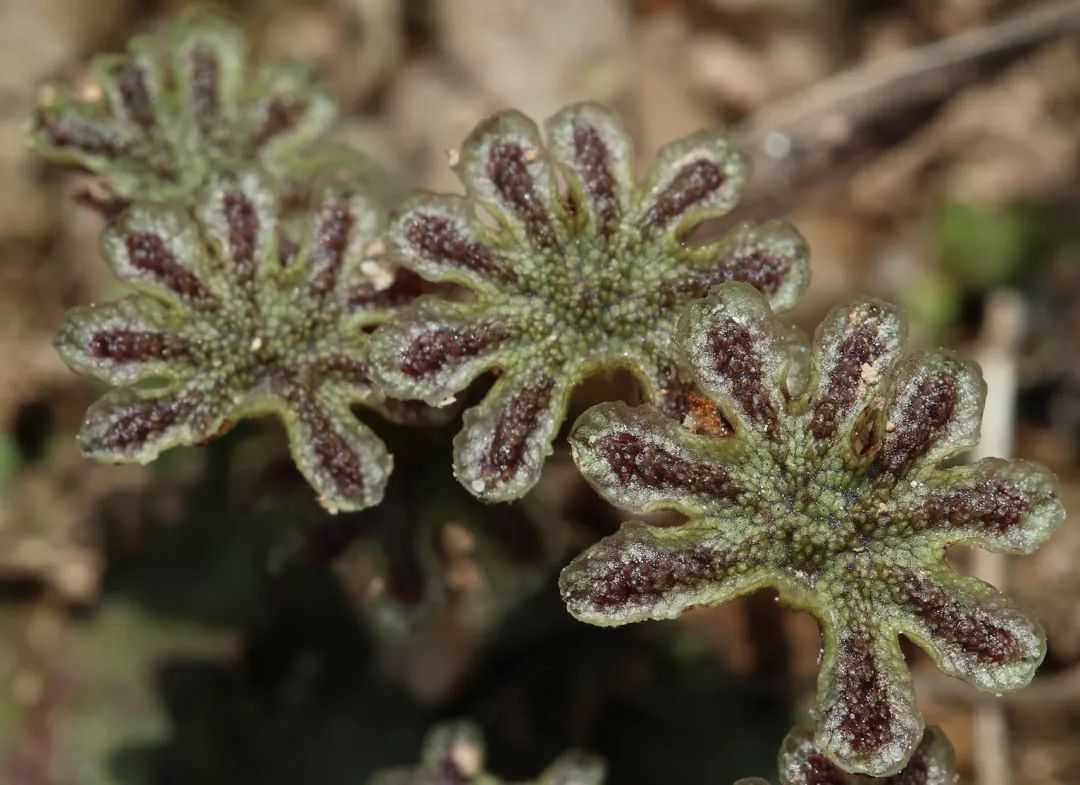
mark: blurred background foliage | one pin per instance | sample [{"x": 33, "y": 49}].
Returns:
[{"x": 201, "y": 621}]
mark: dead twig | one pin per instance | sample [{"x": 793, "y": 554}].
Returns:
[
  {"x": 1002, "y": 327},
  {"x": 1059, "y": 689},
  {"x": 818, "y": 134}
]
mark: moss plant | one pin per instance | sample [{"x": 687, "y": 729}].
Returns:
[
  {"x": 566, "y": 283},
  {"x": 836, "y": 495},
  {"x": 242, "y": 310},
  {"x": 820, "y": 471},
  {"x": 454, "y": 753},
  {"x": 180, "y": 106},
  {"x": 802, "y": 763}
]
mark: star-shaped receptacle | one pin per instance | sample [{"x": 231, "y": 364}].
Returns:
[
  {"x": 802, "y": 763},
  {"x": 454, "y": 755},
  {"x": 565, "y": 283},
  {"x": 434, "y": 563},
  {"x": 431, "y": 556},
  {"x": 180, "y": 105},
  {"x": 244, "y": 307},
  {"x": 837, "y": 495}
]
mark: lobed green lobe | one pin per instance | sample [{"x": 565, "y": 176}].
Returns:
[
  {"x": 802, "y": 763},
  {"x": 567, "y": 283},
  {"x": 836, "y": 495},
  {"x": 454, "y": 755},
  {"x": 243, "y": 308},
  {"x": 179, "y": 106}
]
